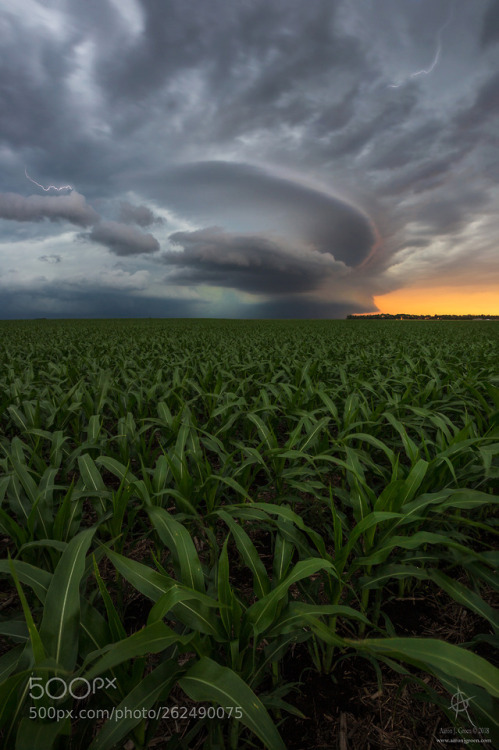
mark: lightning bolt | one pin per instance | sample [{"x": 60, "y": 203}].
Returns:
[
  {"x": 438, "y": 52},
  {"x": 50, "y": 187}
]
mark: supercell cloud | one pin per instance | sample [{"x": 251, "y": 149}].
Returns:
[
  {"x": 251, "y": 197},
  {"x": 259, "y": 158},
  {"x": 249, "y": 263}
]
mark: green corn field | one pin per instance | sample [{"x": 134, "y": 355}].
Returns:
[{"x": 204, "y": 524}]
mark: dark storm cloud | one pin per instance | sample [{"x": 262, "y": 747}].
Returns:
[
  {"x": 50, "y": 258},
  {"x": 241, "y": 193},
  {"x": 287, "y": 50},
  {"x": 385, "y": 114},
  {"x": 420, "y": 177},
  {"x": 485, "y": 106},
  {"x": 31, "y": 88},
  {"x": 411, "y": 146},
  {"x": 264, "y": 44},
  {"x": 490, "y": 28},
  {"x": 248, "y": 263},
  {"x": 72, "y": 208},
  {"x": 121, "y": 239},
  {"x": 140, "y": 215},
  {"x": 64, "y": 301},
  {"x": 272, "y": 119}
]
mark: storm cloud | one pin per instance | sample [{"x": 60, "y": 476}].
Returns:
[
  {"x": 141, "y": 215},
  {"x": 123, "y": 240},
  {"x": 72, "y": 208},
  {"x": 286, "y": 158},
  {"x": 490, "y": 28},
  {"x": 249, "y": 263},
  {"x": 250, "y": 197}
]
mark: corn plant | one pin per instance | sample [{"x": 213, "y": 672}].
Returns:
[{"x": 253, "y": 487}]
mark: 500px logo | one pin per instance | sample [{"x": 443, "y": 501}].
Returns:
[{"x": 80, "y": 684}]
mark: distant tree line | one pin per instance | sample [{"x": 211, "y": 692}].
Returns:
[{"x": 406, "y": 316}]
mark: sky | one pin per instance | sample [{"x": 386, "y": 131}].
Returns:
[{"x": 248, "y": 158}]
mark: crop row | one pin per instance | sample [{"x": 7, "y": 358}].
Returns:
[{"x": 184, "y": 503}]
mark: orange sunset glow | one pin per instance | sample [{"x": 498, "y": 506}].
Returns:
[{"x": 443, "y": 300}]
